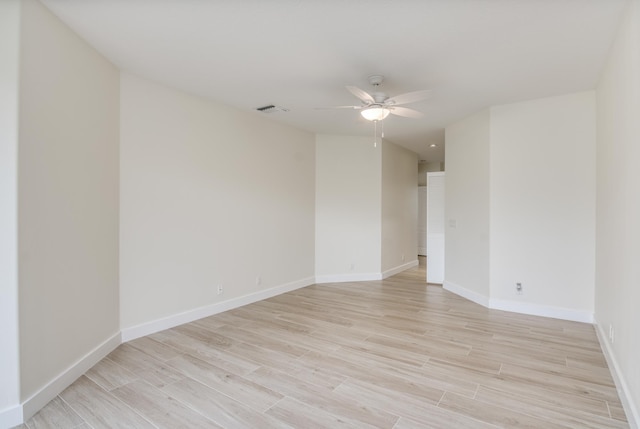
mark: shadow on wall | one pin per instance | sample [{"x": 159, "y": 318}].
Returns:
[{"x": 427, "y": 167}]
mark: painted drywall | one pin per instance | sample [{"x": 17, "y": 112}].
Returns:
[
  {"x": 618, "y": 208},
  {"x": 467, "y": 252},
  {"x": 68, "y": 198},
  {"x": 399, "y": 206},
  {"x": 348, "y": 207},
  {"x": 209, "y": 196},
  {"x": 542, "y": 209},
  {"x": 436, "y": 189},
  {"x": 9, "y": 357},
  {"x": 428, "y": 167}
]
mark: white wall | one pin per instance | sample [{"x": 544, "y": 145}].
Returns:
[
  {"x": 348, "y": 207},
  {"x": 543, "y": 203},
  {"x": 521, "y": 194},
  {"x": 9, "y": 356},
  {"x": 209, "y": 196},
  {"x": 617, "y": 291},
  {"x": 436, "y": 189},
  {"x": 467, "y": 206},
  {"x": 428, "y": 167},
  {"x": 68, "y": 199},
  {"x": 399, "y": 206}
]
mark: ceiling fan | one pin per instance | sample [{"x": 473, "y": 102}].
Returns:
[{"x": 378, "y": 105}]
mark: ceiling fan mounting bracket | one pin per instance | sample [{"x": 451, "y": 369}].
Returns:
[{"x": 376, "y": 79}]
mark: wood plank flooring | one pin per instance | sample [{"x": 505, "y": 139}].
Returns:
[{"x": 395, "y": 354}]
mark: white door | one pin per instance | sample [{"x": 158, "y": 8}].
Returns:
[
  {"x": 435, "y": 227},
  {"x": 422, "y": 220}
]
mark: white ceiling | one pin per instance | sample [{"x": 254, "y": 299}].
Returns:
[{"x": 299, "y": 54}]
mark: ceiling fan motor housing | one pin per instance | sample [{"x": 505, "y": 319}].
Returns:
[
  {"x": 376, "y": 80},
  {"x": 380, "y": 97}
]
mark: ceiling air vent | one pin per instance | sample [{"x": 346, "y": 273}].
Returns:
[{"x": 271, "y": 109}]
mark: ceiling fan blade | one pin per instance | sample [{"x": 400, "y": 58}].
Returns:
[
  {"x": 362, "y": 95},
  {"x": 338, "y": 107},
  {"x": 405, "y": 112},
  {"x": 409, "y": 97}
]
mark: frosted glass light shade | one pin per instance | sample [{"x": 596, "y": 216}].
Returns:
[{"x": 375, "y": 113}]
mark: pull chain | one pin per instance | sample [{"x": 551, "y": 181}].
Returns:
[{"x": 375, "y": 133}]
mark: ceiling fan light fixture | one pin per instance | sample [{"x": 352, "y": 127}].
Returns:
[{"x": 375, "y": 113}]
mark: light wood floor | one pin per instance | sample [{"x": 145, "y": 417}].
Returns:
[{"x": 384, "y": 354}]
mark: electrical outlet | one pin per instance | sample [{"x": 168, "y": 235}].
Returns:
[
  {"x": 519, "y": 288},
  {"x": 219, "y": 289},
  {"x": 402, "y": 257},
  {"x": 258, "y": 280},
  {"x": 352, "y": 267},
  {"x": 612, "y": 334}
]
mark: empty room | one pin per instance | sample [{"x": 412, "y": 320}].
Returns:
[{"x": 319, "y": 214}]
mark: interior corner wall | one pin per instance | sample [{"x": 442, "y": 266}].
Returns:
[
  {"x": 210, "y": 196},
  {"x": 617, "y": 291},
  {"x": 9, "y": 344},
  {"x": 428, "y": 167},
  {"x": 67, "y": 199},
  {"x": 399, "y": 207},
  {"x": 542, "y": 183},
  {"x": 467, "y": 207},
  {"x": 348, "y": 208}
]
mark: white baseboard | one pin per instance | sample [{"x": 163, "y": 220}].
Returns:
[
  {"x": 10, "y": 417},
  {"x": 158, "y": 325},
  {"x": 66, "y": 378},
  {"x": 630, "y": 409},
  {"x": 466, "y": 293},
  {"x": 20, "y": 413},
  {"x": 541, "y": 310},
  {"x": 365, "y": 277},
  {"x": 399, "y": 269},
  {"x": 348, "y": 277},
  {"x": 520, "y": 307}
]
